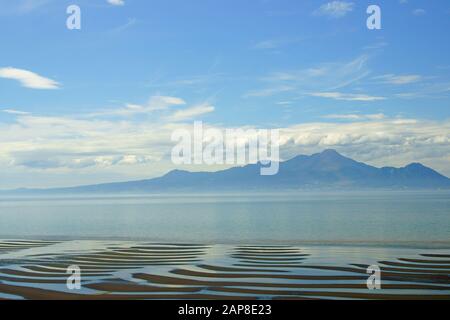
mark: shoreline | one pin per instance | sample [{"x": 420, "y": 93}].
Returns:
[{"x": 327, "y": 243}]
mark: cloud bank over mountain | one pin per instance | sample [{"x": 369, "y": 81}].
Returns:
[{"x": 108, "y": 149}]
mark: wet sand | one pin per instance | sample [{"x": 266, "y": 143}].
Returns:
[{"x": 112, "y": 270}]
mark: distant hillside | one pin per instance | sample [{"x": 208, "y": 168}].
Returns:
[{"x": 325, "y": 170}]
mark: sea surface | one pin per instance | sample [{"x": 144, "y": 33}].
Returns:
[{"x": 379, "y": 218}]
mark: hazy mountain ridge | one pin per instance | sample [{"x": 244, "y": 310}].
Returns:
[{"x": 325, "y": 170}]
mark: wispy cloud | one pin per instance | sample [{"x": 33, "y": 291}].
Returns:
[
  {"x": 21, "y": 6},
  {"x": 334, "y": 9},
  {"x": 190, "y": 113},
  {"x": 427, "y": 90},
  {"x": 162, "y": 102},
  {"x": 130, "y": 23},
  {"x": 267, "y": 92},
  {"x": 346, "y": 96},
  {"x": 155, "y": 103},
  {"x": 376, "y": 45},
  {"x": 28, "y": 79},
  {"x": 398, "y": 79},
  {"x": 276, "y": 43},
  {"x": 16, "y": 112},
  {"x": 321, "y": 77},
  {"x": 116, "y": 2},
  {"x": 356, "y": 117},
  {"x": 419, "y": 12},
  {"x": 284, "y": 103}
]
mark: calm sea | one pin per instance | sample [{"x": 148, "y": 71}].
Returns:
[{"x": 388, "y": 218}]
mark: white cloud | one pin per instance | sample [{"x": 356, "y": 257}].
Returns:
[
  {"x": 192, "y": 112},
  {"x": 346, "y": 96},
  {"x": 335, "y": 9},
  {"x": 28, "y": 79},
  {"x": 63, "y": 142},
  {"x": 116, "y": 2},
  {"x": 399, "y": 79}
]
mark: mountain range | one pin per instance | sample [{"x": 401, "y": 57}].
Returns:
[{"x": 326, "y": 170}]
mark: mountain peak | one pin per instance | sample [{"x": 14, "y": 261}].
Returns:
[
  {"x": 415, "y": 165},
  {"x": 175, "y": 172},
  {"x": 326, "y": 155},
  {"x": 330, "y": 152},
  {"x": 329, "y": 155}
]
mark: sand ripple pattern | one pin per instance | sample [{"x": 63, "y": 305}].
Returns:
[
  {"x": 131, "y": 270},
  {"x": 12, "y": 245}
]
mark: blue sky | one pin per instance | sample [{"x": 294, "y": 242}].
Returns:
[{"x": 98, "y": 104}]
